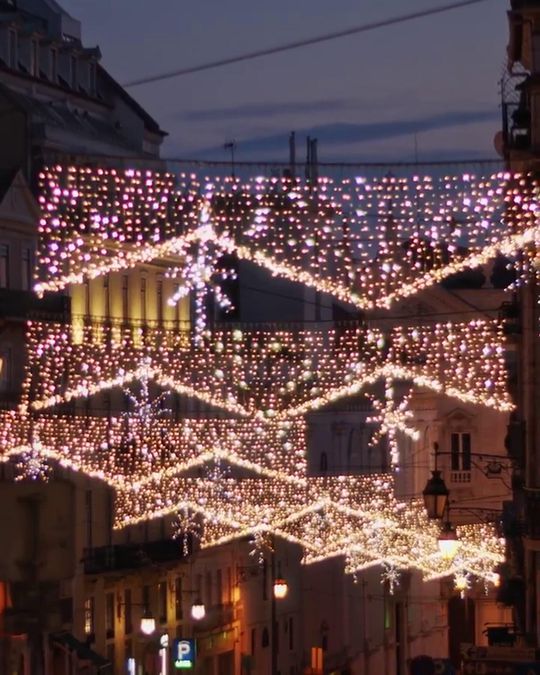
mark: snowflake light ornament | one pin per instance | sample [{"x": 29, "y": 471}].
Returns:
[
  {"x": 261, "y": 543},
  {"x": 392, "y": 418},
  {"x": 144, "y": 410},
  {"x": 201, "y": 273},
  {"x": 462, "y": 582},
  {"x": 390, "y": 575},
  {"x": 186, "y": 527},
  {"x": 31, "y": 464}
]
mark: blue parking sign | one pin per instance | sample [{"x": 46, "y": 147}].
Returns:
[{"x": 184, "y": 654}]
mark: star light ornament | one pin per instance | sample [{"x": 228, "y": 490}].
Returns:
[
  {"x": 201, "y": 273},
  {"x": 393, "y": 418}
]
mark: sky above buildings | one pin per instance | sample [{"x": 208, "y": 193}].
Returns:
[{"x": 427, "y": 89}]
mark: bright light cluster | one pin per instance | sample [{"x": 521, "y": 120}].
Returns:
[
  {"x": 109, "y": 449},
  {"x": 366, "y": 242},
  {"x": 354, "y": 516},
  {"x": 358, "y": 517},
  {"x": 269, "y": 374}
]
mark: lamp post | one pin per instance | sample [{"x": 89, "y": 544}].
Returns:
[
  {"x": 435, "y": 493},
  {"x": 198, "y": 610},
  {"x": 148, "y": 623},
  {"x": 280, "y": 588},
  {"x": 448, "y": 540}
]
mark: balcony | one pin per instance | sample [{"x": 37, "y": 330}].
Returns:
[
  {"x": 23, "y": 305},
  {"x": 460, "y": 477},
  {"x": 131, "y": 556}
]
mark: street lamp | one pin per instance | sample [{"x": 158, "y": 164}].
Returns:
[
  {"x": 198, "y": 610},
  {"x": 148, "y": 623},
  {"x": 281, "y": 588},
  {"x": 435, "y": 493},
  {"x": 448, "y": 542}
]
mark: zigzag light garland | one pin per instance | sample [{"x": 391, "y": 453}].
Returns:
[
  {"x": 268, "y": 374},
  {"x": 354, "y": 516},
  {"x": 367, "y": 243}
]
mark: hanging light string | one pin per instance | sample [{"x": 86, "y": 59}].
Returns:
[
  {"x": 272, "y": 374},
  {"x": 366, "y": 242}
]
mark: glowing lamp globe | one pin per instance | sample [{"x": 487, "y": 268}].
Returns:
[
  {"x": 148, "y": 624},
  {"x": 448, "y": 542},
  {"x": 281, "y": 588},
  {"x": 198, "y": 610}
]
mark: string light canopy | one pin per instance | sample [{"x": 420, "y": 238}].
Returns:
[
  {"x": 269, "y": 374},
  {"x": 366, "y": 521},
  {"x": 108, "y": 449},
  {"x": 366, "y": 242}
]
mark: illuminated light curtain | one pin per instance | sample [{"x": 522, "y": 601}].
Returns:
[
  {"x": 367, "y": 242},
  {"x": 269, "y": 374}
]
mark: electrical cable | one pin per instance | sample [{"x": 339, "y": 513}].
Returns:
[{"x": 297, "y": 44}]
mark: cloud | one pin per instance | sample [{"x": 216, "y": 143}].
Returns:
[
  {"x": 265, "y": 110},
  {"x": 344, "y": 134}
]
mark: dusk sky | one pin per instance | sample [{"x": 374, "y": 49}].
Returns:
[{"x": 364, "y": 96}]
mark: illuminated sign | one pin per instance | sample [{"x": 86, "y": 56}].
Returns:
[{"x": 184, "y": 654}]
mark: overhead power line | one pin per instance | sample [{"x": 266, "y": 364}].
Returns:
[{"x": 288, "y": 46}]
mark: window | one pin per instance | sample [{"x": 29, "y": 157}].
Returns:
[
  {"x": 178, "y": 599},
  {"x": 89, "y": 616},
  {"x": 146, "y": 599},
  {"x": 34, "y": 58},
  {"x": 110, "y": 514},
  {"x": 162, "y": 601},
  {"x": 73, "y": 72},
  {"x": 87, "y": 298},
  {"x": 107, "y": 294},
  {"x": 125, "y": 297},
  {"x": 208, "y": 589},
  {"x": 264, "y": 581},
  {"x": 26, "y": 281},
  {"x": 160, "y": 301},
  {"x": 12, "y": 48},
  {"x": 128, "y": 616},
  {"x": 177, "y": 307},
  {"x": 4, "y": 266},
  {"x": 291, "y": 633},
  {"x": 253, "y": 641},
  {"x": 461, "y": 451},
  {"x": 88, "y": 508},
  {"x": 323, "y": 462},
  {"x": 143, "y": 300},
  {"x": 109, "y": 615},
  {"x": 219, "y": 587},
  {"x": 265, "y": 639},
  {"x": 5, "y": 369},
  {"x": 54, "y": 65}
]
